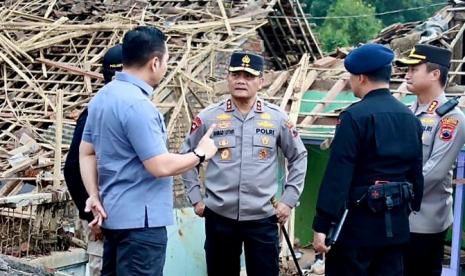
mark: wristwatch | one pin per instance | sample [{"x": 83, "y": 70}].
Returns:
[{"x": 200, "y": 154}]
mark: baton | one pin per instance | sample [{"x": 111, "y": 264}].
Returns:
[{"x": 334, "y": 232}]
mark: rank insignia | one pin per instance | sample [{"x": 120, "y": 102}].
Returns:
[
  {"x": 265, "y": 116},
  {"x": 263, "y": 154},
  {"x": 259, "y": 106},
  {"x": 447, "y": 128},
  {"x": 229, "y": 106},
  {"x": 432, "y": 107},
  {"x": 223, "y": 142},
  {"x": 265, "y": 140},
  {"x": 223, "y": 116},
  {"x": 265, "y": 124},
  {"x": 225, "y": 154},
  {"x": 196, "y": 123},
  {"x": 224, "y": 124}
]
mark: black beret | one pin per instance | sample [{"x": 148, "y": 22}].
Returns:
[{"x": 368, "y": 58}]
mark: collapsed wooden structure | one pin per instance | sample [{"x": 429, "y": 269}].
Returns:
[
  {"x": 50, "y": 52},
  {"x": 49, "y": 56}
]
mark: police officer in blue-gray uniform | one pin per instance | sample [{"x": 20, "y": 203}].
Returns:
[
  {"x": 374, "y": 170},
  {"x": 242, "y": 178},
  {"x": 443, "y": 138}
]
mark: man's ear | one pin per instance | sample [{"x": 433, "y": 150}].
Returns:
[
  {"x": 261, "y": 81},
  {"x": 436, "y": 74},
  {"x": 154, "y": 63}
]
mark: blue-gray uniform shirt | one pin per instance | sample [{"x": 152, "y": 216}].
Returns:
[
  {"x": 242, "y": 177},
  {"x": 126, "y": 129}
]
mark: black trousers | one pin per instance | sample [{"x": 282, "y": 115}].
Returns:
[
  {"x": 224, "y": 240},
  {"x": 135, "y": 252},
  {"x": 425, "y": 254},
  {"x": 365, "y": 261}
]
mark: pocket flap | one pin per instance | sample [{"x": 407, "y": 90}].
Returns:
[
  {"x": 264, "y": 141},
  {"x": 225, "y": 142}
]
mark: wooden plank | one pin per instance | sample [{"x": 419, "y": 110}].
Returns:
[
  {"x": 290, "y": 88},
  {"x": 18, "y": 168},
  {"x": 58, "y": 140},
  {"x": 70, "y": 68},
  {"x": 458, "y": 36},
  {"x": 295, "y": 108},
  {"x": 325, "y": 62},
  {"x": 277, "y": 84},
  {"x": 27, "y": 199},
  {"x": 331, "y": 95},
  {"x": 225, "y": 17},
  {"x": 25, "y": 77}
]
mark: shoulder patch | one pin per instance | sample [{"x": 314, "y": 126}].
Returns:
[
  {"x": 196, "y": 123},
  {"x": 447, "y": 127},
  {"x": 292, "y": 130}
]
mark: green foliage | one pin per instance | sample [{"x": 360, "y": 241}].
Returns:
[
  {"x": 348, "y": 31},
  {"x": 406, "y": 16},
  {"x": 320, "y": 8}
]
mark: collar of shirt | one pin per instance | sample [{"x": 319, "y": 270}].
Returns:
[
  {"x": 258, "y": 105},
  {"x": 377, "y": 93},
  {"x": 230, "y": 107},
  {"x": 419, "y": 109},
  {"x": 146, "y": 88}
]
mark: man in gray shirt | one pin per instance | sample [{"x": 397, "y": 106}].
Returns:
[
  {"x": 124, "y": 146},
  {"x": 242, "y": 178}
]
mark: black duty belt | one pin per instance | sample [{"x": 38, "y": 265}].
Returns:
[{"x": 382, "y": 197}]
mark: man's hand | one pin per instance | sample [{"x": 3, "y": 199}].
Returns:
[
  {"x": 283, "y": 211},
  {"x": 199, "y": 208},
  {"x": 207, "y": 145},
  {"x": 319, "y": 242},
  {"x": 97, "y": 232},
  {"x": 94, "y": 205}
]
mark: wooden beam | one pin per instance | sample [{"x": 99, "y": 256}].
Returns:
[
  {"x": 225, "y": 17},
  {"x": 70, "y": 68},
  {"x": 331, "y": 95},
  {"x": 27, "y": 199},
  {"x": 58, "y": 140}
]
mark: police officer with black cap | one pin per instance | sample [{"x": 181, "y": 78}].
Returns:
[
  {"x": 241, "y": 179},
  {"x": 112, "y": 62},
  {"x": 443, "y": 137},
  {"x": 374, "y": 171}
]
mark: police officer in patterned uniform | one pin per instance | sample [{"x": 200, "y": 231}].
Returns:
[
  {"x": 443, "y": 137},
  {"x": 374, "y": 170},
  {"x": 242, "y": 178}
]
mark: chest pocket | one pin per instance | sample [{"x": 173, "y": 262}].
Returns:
[
  {"x": 430, "y": 128},
  {"x": 264, "y": 147},
  {"x": 226, "y": 148}
]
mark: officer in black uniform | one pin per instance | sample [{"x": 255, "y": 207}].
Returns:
[{"x": 374, "y": 171}]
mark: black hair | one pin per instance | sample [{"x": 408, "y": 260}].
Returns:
[
  {"x": 142, "y": 44},
  {"x": 442, "y": 70},
  {"x": 381, "y": 75}
]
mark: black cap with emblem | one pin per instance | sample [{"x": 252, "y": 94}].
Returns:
[
  {"x": 426, "y": 53},
  {"x": 246, "y": 61}
]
